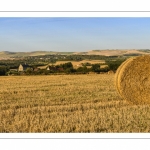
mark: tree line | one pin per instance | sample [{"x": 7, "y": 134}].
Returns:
[
  {"x": 34, "y": 62},
  {"x": 66, "y": 68}
]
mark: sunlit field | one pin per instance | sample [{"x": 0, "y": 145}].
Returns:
[
  {"x": 77, "y": 64},
  {"x": 68, "y": 103}
]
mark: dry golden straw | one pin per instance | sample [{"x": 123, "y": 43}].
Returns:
[
  {"x": 117, "y": 73},
  {"x": 133, "y": 80}
]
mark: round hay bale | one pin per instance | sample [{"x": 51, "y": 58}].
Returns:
[
  {"x": 117, "y": 73},
  {"x": 110, "y": 72},
  {"x": 132, "y": 80}
]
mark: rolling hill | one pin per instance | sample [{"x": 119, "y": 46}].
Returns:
[{"x": 113, "y": 52}]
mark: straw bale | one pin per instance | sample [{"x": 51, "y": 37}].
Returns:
[
  {"x": 133, "y": 80},
  {"x": 117, "y": 73},
  {"x": 110, "y": 72}
]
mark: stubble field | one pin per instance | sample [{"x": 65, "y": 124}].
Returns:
[{"x": 68, "y": 103}]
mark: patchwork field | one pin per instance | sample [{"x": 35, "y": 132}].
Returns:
[
  {"x": 77, "y": 64},
  {"x": 68, "y": 103}
]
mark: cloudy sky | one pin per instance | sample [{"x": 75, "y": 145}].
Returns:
[{"x": 73, "y": 34}]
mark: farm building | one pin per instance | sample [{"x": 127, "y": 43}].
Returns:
[
  {"x": 52, "y": 68},
  {"x": 23, "y": 67}
]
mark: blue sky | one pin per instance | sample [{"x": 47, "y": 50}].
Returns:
[{"x": 73, "y": 34}]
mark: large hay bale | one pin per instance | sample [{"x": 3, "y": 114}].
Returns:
[
  {"x": 132, "y": 80},
  {"x": 117, "y": 74}
]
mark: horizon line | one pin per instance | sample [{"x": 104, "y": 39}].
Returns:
[{"x": 77, "y": 51}]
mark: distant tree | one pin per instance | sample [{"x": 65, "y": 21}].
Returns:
[
  {"x": 66, "y": 65},
  {"x": 46, "y": 72},
  {"x": 113, "y": 65},
  {"x": 70, "y": 70},
  {"x": 3, "y": 70},
  {"x": 82, "y": 69},
  {"x": 29, "y": 71},
  {"x": 95, "y": 68},
  {"x": 52, "y": 61}
]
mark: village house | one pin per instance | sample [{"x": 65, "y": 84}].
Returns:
[{"x": 23, "y": 67}]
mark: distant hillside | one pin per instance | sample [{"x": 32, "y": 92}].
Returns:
[
  {"x": 6, "y": 54},
  {"x": 113, "y": 52},
  {"x": 116, "y": 52}
]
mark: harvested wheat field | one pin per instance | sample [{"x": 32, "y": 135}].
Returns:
[{"x": 68, "y": 103}]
